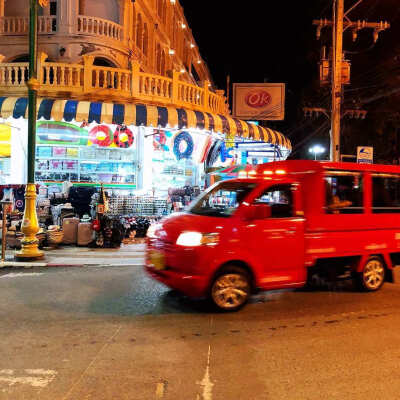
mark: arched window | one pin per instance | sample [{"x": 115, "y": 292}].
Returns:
[
  {"x": 145, "y": 39},
  {"x": 139, "y": 32},
  {"x": 158, "y": 58}
]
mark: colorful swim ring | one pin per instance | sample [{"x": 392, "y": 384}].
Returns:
[
  {"x": 123, "y": 137},
  {"x": 101, "y": 135},
  {"x": 183, "y": 145}
]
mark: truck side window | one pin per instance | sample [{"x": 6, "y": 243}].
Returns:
[
  {"x": 280, "y": 199},
  {"x": 385, "y": 194},
  {"x": 344, "y": 194}
]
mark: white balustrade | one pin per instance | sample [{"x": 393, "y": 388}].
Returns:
[
  {"x": 99, "y": 27},
  {"x": 61, "y": 75},
  {"x": 59, "y": 78},
  {"x": 20, "y": 25},
  {"x": 111, "y": 78},
  {"x": 155, "y": 86},
  {"x": 14, "y": 74}
]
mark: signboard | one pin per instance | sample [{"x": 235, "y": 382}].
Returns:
[
  {"x": 365, "y": 155},
  {"x": 259, "y": 101}
]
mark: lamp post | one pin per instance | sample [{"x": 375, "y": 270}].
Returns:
[
  {"x": 30, "y": 224},
  {"x": 317, "y": 149}
]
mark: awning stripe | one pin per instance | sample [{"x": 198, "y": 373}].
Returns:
[
  {"x": 182, "y": 118},
  {"x": 162, "y": 117},
  {"x": 152, "y": 116},
  {"x": 173, "y": 118},
  {"x": 251, "y": 130},
  {"x": 70, "y": 110},
  {"x": 239, "y": 126},
  {"x": 140, "y": 115},
  {"x": 95, "y": 112},
  {"x": 200, "y": 117},
  {"x": 82, "y": 111},
  {"x": 211, "y": 123},
  {"x": 130, "y": 114},
  {"x": 20, "y": 107},
  {"x": 225, "y": 124},
  {"x": 57, "y": 112},
  {"x": 107, "y": 113},
  {"x": 118, "y": 116}
]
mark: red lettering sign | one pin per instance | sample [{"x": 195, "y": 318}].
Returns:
[{"x": 258, "y": 98}]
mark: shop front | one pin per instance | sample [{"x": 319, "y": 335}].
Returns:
[{"x": 150, "y": 160}]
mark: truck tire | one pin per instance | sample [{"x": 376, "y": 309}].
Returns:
[
  {"x": 231, "y": 288},
  {"x": 372, "y": 277}
]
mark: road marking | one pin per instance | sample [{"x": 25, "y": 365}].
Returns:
[
  {"x": 20, "y": 274},
  {"x": 206, "y": 382},
  {"x": 37, "y": 378}
]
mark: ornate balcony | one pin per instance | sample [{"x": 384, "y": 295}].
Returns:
[
  {"x": 99, "y": 27},
  {"x": 89, "y": 82},
  {"x": 85, "y": 25}
]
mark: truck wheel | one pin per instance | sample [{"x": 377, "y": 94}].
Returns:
[
  {"x": 231, "y": 288},
  {"x": 372, "y": 276}
]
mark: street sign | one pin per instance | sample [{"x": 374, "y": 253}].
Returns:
[{"x": 365, "y": 155}]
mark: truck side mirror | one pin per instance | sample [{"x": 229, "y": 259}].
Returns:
[{"x": 257, "y": 211}]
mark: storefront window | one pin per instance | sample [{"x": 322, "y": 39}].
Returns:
[{"x": 92, "y": 154}]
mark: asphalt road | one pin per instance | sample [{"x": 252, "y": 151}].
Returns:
[{"x": 111, "y": 333}]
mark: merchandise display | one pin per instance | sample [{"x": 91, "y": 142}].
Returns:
[{"x": 88, "y": 154}]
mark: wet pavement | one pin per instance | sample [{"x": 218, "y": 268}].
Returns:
[{"x": 110, "y": 333}]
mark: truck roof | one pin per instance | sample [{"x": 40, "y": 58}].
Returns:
[{"x": 309, "y": 166}]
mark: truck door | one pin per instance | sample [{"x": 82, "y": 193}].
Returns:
[{"x": 278, "y": 240}]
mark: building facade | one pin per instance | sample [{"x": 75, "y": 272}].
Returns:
[{"x": 114, "y": 32}]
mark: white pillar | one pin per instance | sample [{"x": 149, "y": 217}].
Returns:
[{"x": 67, "y": 16}]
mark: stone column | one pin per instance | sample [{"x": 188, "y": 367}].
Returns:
[
  {"x": 125, "y": 20},
  {"x": 67, "y": 13},
  {"x": 1, "y": 8}
]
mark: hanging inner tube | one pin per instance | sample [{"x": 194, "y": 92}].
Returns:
[
  {"x": 101, "y": 135},
  {"x": 123, "y": 137},
  {"x": 183, "y": 137}
]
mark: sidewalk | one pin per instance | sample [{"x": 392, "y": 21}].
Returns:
[{"x": 71, "y": 256}]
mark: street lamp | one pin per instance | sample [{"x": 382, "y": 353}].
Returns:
[
  {"x": 30, "y": 224},
  {"x": 317, "y": 149}
]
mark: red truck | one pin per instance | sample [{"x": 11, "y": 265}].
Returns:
[{"x": 277, "y": 227}]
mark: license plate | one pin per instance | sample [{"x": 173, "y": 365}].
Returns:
[{"x": 157, "y": 259}]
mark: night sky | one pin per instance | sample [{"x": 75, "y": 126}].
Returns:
[{"x": 275, "y": 41}]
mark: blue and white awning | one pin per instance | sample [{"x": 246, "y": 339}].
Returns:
[{"x": 140, "y": 115}]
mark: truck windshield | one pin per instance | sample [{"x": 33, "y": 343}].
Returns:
[{"x": 222, "y": 200}]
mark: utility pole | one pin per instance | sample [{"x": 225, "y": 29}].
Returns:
[
  {"x": 337, "y": 39},
  {"x": 337, "y": 66}
]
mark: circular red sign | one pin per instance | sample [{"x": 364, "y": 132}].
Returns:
[{"x": 258, "y": 98}]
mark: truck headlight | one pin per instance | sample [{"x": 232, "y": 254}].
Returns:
[{"x": 194, "y": 239}]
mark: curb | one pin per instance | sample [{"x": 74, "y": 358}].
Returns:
[{"x": 8, "y": 264}]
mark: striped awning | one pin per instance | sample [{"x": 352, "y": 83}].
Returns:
[{"x": 140, "y": 115}]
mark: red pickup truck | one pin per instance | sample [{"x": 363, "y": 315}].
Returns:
[{"x": 275, "y": 228}]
